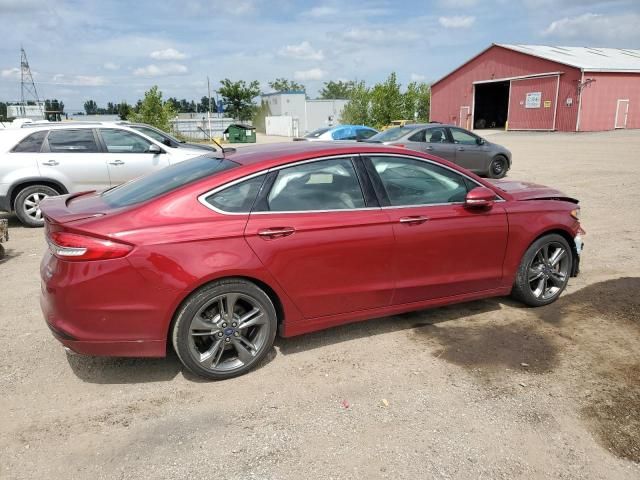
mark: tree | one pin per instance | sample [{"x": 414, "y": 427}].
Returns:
[
  {"x": 416, "y": 100},
  {"x": 124, "y": 110},
  {"x": 91, "y": 107},
  {"x": 203, "y": 106},
  {"x": 3, "y": 111},
  {"x": 284, "y": 85},
  {"x": 357, "y": 111},
  {"x": 386, "y": 102},
  {"x": 53, "y": 110},
  {"x": 153, "y": 110},
  {"x": 339, "y": 89},
  {"x": 237, "y": 98}
]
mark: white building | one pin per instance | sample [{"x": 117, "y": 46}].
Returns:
[
  {"x": 34, "y": 112},
  {"x": 291, "y": 114}
]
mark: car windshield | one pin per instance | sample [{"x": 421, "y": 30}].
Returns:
[
  {"x": 162, "y": 181},
  {"x": 317, "y": 133},
  {"x": 155, "y": 134},
  {"x": 391, "y": 134}
]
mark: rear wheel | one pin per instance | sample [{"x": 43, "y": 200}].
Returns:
[
  {"x": 224, "y": 329},
  {"x": 27, "y": 204},
  {"x": 544, "y": 271},
  {"x": 499, "y": 166}
]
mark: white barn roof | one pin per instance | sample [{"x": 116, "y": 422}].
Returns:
[{"x": 585, "y": 58}]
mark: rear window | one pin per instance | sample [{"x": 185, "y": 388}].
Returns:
[
  {"x": 33, "y": 143},
  {"x": 162, "y": 181},
  {"x": 391, "y": 134}
]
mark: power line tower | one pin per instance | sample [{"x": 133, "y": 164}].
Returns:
[{"x": 27, "y": 85}]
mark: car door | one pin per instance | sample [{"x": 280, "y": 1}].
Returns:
[
  {"x": 73, "y": 157},
  {"x": 327, "y": 247},
  {"x": 127, "y": 155},
  {"x": 469, "y": 152},
  {"x": 442, "y": 248},
  {"x": 436, "y": 141}
]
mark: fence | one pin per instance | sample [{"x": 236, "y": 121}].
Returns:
[{"x": 198, "y": 128}]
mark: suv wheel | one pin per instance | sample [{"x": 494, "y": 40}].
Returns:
[{"x": 27, "y": 204}]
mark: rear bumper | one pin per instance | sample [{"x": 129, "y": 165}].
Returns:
[{"x": 104, "y": 308}]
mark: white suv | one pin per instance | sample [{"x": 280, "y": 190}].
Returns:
[{"x": 42, "y": 160}]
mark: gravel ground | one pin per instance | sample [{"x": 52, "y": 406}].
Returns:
[{"x": 486, "y": 389}]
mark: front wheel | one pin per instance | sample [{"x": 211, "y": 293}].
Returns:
[
  {"x": 499, "y": 166},
  {"x": 224, "y": 329},
  {"x": 27, "y": 204},
  {"x": 544, "y": 271}
]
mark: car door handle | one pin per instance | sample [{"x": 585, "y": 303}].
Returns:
[
  {"x": 461, "y": 149},
  {"x": 51, "y": 163},
  {"x": 417, "y": 220},
  {"x": 276, "y": 232},
  {"x": 116, "y": 162},
  {"x": 429, "y": 147}
]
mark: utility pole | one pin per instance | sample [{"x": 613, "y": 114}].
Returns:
[
  {"x": 209, "y": 110},
  {"x": 27, "y": 85}
]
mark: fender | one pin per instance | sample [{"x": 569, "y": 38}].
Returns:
[{"x": 13, "y": 189}]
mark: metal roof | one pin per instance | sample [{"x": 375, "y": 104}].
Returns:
[{"x": 588, "y": 59}]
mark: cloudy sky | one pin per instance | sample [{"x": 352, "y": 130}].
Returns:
[{"x": 115, "y": 50}]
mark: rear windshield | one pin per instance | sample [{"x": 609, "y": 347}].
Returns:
[
  {"x": 391, "y": 134},
  {"x": 162, "y": 181},
  {"x": 317, "y": 133}
]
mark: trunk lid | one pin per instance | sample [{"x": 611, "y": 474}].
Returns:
[
  {"x": 77, "y": 206},
  {"x": 530, "y": 191}
]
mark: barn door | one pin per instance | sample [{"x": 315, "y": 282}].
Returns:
[
  {"x": 622, "y": 110},
  {"x": 465, "y": 116},
  {"x": 532, "y": 103}
]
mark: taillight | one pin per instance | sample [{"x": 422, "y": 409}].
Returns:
[{"x": 76, "y": 248}]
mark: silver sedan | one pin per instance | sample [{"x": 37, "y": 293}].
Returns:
[{"x": 451, "y": 143}]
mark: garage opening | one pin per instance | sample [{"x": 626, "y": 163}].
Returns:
[{"x": 491, "y": 105}]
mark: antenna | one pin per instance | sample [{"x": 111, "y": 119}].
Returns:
[{"x": 27, "y": 85}]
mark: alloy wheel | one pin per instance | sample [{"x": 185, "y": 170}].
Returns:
[
  {"x": 548, "y": 271},
  {"x": 32, "y": 205},
  {"x": 228, "y": 332}
]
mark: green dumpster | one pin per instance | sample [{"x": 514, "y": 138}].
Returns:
[{"x": 240, "y": 133}]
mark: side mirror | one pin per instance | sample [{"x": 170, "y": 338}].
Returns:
[
  {"x": 480, "y": 197},
  {"x": 481, "y": 141},
  {"x": 155, "y": 149}
]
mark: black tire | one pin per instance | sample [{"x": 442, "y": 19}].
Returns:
[
  {"x": 188, "y": 345},
  {"x": 499, "y": 167},
  {"x": 24, "y": 204},
  {"x": 530, "y": 267}
]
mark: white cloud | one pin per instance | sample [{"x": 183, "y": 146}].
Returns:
[
  {"x": 11, "y": 73},
  {"x": 378, "y": 35},
  {"x": 457, "y": 21},
  {"x": 597, "y": 30},
  {"x": 302, "y": 51},
  {"x": 416, "y": 77},
  {"x": 162, "y": 70},
  {"x": 78, "y": 80},
  {"x": 111, "y": 66},
  {"x": 311, "y": 74},
  {"x": 322, "y": 11},
  {"x": 168, "y": 54}
]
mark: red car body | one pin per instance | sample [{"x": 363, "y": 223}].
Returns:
[{"x": 338, "y": 267}]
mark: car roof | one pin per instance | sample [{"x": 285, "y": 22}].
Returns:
[{"x": 282, "y": 153}]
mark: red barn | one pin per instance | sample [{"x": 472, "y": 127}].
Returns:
[{"x": 534, "y": 87}]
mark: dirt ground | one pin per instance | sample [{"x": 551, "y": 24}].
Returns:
[{"x": 486, "y": 389}]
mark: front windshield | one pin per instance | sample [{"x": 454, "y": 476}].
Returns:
[
  {"x": 317, "y": 133},
  {"x": 391, "y": 134}
]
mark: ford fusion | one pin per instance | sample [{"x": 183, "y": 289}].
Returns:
[{"x": 215, "y": 256}]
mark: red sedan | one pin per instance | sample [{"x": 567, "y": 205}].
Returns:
[{"x": 213, "y": 256}]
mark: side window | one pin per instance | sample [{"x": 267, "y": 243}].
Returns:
[
  {"x": 418, "y": 136},
  {"x": 414, "y": 182},
  {"x": 121, "y": 141},
  {"x": 237, "y": 198},
  {"x": 462, "y": 137},
  {"x": 364, "y": 133},
  {"x": 33, "y": 143},
  {"x": 151, "y": 133},
  {"x": 436, "y": 135},
  {"x": 321, "y": 185},
  {"x": 344, "y": 134},
  {"x": 72, "y": 141}
]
